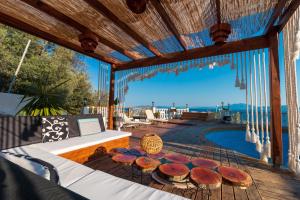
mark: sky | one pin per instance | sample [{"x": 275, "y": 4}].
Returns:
[{"x": 206, "y": 87}]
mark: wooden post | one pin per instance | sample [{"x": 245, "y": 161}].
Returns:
[
  {"x": 111, "y": 99},
  {"x": 275, "y": 101}
]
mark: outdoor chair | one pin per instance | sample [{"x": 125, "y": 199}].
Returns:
[
  {"x": 151, "y": 118},
  {"x": 130, "y": 123}
]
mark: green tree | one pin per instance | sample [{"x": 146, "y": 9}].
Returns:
[{"x": 46, "y": 64}]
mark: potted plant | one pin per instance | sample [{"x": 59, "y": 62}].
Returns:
[{"x": 44, "y": 100}]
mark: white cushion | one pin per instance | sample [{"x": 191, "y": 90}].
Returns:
[
  {"x": 76, "y": 143},
  {"x": 31, "y": 151},
  {"x": 68, "y": 171},
  {"x": 34, "y": 167},
  {"x": 89, "y": 126},
  {"x": 100, "y": 185}
]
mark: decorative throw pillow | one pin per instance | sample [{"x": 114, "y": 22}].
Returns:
[
  {"x": 89, "y": 126},
  {"x": 54, "y": 129}
]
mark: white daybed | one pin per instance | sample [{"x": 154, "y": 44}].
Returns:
[{"x": 89, "y": 183}]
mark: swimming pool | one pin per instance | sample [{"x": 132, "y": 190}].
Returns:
[{"x": 235, "y": 140}]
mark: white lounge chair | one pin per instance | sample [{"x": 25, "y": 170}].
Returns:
[
  {"x": 151, "y": 118},
  {"x": 129, "y": 122}
]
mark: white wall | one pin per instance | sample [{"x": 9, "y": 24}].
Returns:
[{"x": 9, "y": 103}]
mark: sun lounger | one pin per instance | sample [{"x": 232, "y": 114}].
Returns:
[
  {"x": 128, "y": 122},
  {"x": 151, "y": 118}
]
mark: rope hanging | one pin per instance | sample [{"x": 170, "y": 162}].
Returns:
[
  {"x": 248, "y": 133},
  {"x": 253, "y": 134},
  {"x": 267, "y": 145},
  {"x": 260, "y": 144},
  {"x": 237, "y": 80},
  {"x": 242, "y": 83},
  {"x": 291, "y": 38}
]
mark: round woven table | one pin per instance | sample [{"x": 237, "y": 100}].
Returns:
[
  {"x": 124, "y": 159},
  {"x": 146, "y": 165},
  {"x": 174, "y": 171},
  {"x": 159, "y": 155},
  {"x": 205, "y": 163},
  {"x": 205, "y": 178},
  {"x": 116, "y": 151},
  {"x": 177, "y": 158},
  {"x": 235, "y": 176}
]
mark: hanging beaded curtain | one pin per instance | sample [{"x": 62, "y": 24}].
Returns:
[
  {"x": 103, "y": 88},
  {"x": 291, "y": 39},
  {"x": 124, "y": 77},
  {"x": 257, "y": 124}
]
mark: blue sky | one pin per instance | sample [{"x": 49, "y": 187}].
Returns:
[{"x": 204, "y": 87}]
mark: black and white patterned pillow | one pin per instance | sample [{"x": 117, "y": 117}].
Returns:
[{"x": 54, "y": 129}]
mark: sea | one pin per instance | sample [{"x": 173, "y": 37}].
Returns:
[{"x": 242, "y": 109}]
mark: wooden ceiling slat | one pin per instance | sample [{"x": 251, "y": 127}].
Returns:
[
  {"x": 69, "y": 21},
  {"x": 218, "y": 6},
  {"x": 288, "y": 13},
  {"x": 123, "y": 26},
  {"x": 168, "y": 21},
  {"x": 214, "y": 50},
  {"x": 23, "y": 26},
  {"x": 277, "y": 12}
]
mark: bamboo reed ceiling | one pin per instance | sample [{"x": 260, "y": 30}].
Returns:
[{"x": 132, "y": 36}]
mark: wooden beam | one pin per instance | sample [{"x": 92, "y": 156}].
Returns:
[
  {"x": 97, "y": 5},
  {"x": 111, "y": 100},
  {"x": 276, "y": 13},
  {"x": 28, "y": 28},
  {"x": 284, "y": 18},
  {"x": 43, "y": 7},
  {"x": 214, "y": 50},
  {"x": 275, "y": 101},
  {"x": 167, "y": 20}
]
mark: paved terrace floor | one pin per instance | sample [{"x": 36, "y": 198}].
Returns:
[{"x": 186, "y": 138}]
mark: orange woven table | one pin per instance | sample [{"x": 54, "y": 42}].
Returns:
[
  {"x": 177, "y": 158},
  {"x": 205, "y": 178},
  {"x": 235, "y": 176},
  {"x": 174, "y": 171},
  {"x": 205, "y": 163},
  {"x": 159, "y": 155},
  {"x": 124, "y": 159},
  {"x": 147, "y": 164}
]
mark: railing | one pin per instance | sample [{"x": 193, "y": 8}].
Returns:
[{"x": 164, "y": 113}]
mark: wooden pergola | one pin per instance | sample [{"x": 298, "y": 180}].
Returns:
[{"x": 107, "y": 30}]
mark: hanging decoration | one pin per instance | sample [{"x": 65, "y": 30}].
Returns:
[
  {"x": 103, "y": 88},
  {"x": 259, "y": 144},
  {"x": 88, "y": 41},
  {"x": 253, "y": 134},
  {"x": 122, "y": 78},
  {"x": 267, "y": 146},
  {"x": 257, "y": 131},
  {"x": 242, "y": 83},
  {"x": 137, "y": 6},
  {"x": 237, "y": 80},
  {"x": 248, "y": 133},
  {"x": 291, "y": 38}
]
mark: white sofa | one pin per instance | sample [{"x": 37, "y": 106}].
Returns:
[{"x": 89, "y": 183}]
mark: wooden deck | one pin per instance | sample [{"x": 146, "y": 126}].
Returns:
[{"x": 268, "y": 183}]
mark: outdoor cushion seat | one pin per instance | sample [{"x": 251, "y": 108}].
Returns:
[
  {"x": 100, "y": 185},
  {"x": 75, "y": 143},
  {"x": 68, "y": 171}
]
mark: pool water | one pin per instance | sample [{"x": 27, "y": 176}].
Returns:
[{"x": 235, "y": 140}]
